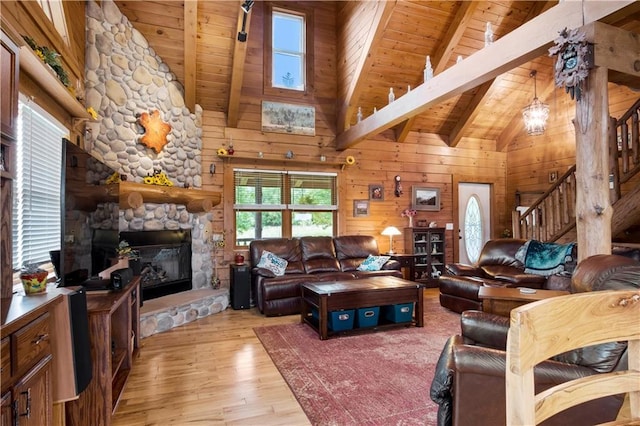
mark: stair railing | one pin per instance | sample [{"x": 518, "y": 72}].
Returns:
[
  {"x": 624, "y": 149},
  {"x": 553, "y": 214}
]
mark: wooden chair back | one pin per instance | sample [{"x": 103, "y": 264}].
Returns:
[{"x": 553, "y": 326}]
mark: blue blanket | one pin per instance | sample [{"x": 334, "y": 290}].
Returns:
[{"x": 545, "y": 258}]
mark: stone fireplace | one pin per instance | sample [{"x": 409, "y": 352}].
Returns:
[{"x": 125, "y": 78}]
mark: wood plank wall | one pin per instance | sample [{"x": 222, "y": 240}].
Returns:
[
  {"x": 530, "y": 159},
  {"x": 422, "y": 160}
]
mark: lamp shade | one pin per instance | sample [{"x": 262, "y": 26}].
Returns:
[{"x": 391, "y": 231}]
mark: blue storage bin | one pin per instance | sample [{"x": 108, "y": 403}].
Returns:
[
  {"x": 402, "y": 312},
  {"x": 341, "y": 320},
  {"x": 367, "y": 317}
]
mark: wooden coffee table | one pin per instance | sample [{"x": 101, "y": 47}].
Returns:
[
  {"x": 501, "y": 300},
  {"x": 359, "y": 293}
]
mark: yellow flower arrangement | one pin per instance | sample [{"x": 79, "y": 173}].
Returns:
[
  {"x": 92, "y": 112},
  {"x": 222, "y": 151},
  {"x": 114, "y": 178},
  {"x": 350, "y": 160}
]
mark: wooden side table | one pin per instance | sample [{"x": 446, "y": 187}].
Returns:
[
  {"x": 501, "y": 300},
  {"x": 407, "y": 263}
]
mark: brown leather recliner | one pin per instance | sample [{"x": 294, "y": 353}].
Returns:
[
  {"x": 497, "y": 266},
  {"x": 469, "y": 382}
]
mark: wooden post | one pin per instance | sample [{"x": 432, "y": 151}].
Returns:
[{"x": 593, "y": 204}]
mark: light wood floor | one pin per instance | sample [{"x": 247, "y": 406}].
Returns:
[{"x": 211, "y": 371}]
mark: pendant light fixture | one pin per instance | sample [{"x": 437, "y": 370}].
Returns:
[{"x": 535, "y": 114}]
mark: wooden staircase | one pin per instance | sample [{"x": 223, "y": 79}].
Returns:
[{"x": 552, "y": 217}]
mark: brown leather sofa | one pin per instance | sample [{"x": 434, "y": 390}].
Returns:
[
  {"x": 497, "y": 266},
  {"x": 469, "y": 382},
  {"x": 310, "y": 259}
]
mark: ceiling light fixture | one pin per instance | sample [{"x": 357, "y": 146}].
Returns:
[{"x": 536, "y": 113}]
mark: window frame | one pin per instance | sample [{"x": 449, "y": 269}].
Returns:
[
  {"x": 22, "y": 144},
  {"x": 54, "y": 11},
  {"x": 307, "y": 14},
  {"x": 286, "y": 207}
]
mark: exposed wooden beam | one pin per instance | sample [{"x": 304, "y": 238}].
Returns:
[
  {"x": 237, "y": 71},
  {"x": 463, "y": 124},
  {"x": 470, "y": 113},
  {"x": 618, "y": 50},
  {"x": 615, "y": 49},
  {"x": 190, "y": 49},
  {"x": 357, "y": 84},
  {"x": 454, "y": 33},
  {"x": 401, "y": 131},
  {"x": 441, "y": 56},
  {"x": 506, "y": 53}
]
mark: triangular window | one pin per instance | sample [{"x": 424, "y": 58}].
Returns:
[{"x": 55, "y": 12}]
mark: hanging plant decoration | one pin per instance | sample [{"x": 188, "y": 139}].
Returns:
[
  {"x": 51, "y": 58},
  {"x": 573, "y": 62}
]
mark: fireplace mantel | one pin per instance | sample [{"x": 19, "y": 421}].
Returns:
[{"x": 133, "y": 195}]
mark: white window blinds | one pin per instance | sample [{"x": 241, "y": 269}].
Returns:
[
  {"x": 36, "y": 189},
  {"x": 278, "y": 190}
]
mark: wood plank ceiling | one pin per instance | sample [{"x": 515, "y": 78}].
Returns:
[{"x": 197, "y": 40}]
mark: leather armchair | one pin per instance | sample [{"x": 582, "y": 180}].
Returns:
[
  {"x": 469, "y": 382},
  {"x": 497, "y": 266}
]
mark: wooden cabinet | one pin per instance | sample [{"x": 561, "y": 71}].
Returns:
[
  {"x": 430, "y": 246},
  {"x": 32, "y": 404},
  {"x": 9, "y": 65},
  {"x": 6, "y": 412},
  {"x": 114, "y": 329},
  {"x": 26, "y": 370}
]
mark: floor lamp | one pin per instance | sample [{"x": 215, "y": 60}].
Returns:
[{"x": 391, "y": 231}]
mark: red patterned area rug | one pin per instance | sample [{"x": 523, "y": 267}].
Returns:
[{"x": 374, "y": 378}]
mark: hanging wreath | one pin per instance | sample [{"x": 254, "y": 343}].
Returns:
[{"x": 573, "y": 62}]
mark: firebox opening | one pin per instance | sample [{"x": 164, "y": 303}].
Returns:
[{"x": 165, "y": 261}]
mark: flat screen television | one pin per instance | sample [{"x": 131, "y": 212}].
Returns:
[{"x": 89, "y": 219}]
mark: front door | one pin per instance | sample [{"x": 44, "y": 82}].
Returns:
[{"x": 474, "y": 219}]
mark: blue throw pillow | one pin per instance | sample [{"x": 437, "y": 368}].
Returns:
[
  {"x": 373, "y": 263},
  {"x": 273, "y": 263}
]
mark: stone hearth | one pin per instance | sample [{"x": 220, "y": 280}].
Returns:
[{"x": 167, "y": 312}]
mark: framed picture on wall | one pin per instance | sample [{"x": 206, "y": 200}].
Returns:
[
  {"x": 423, "y": 198},
  {"x": 376, "y": 192},
  {"x": 360, "y": 208}
]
